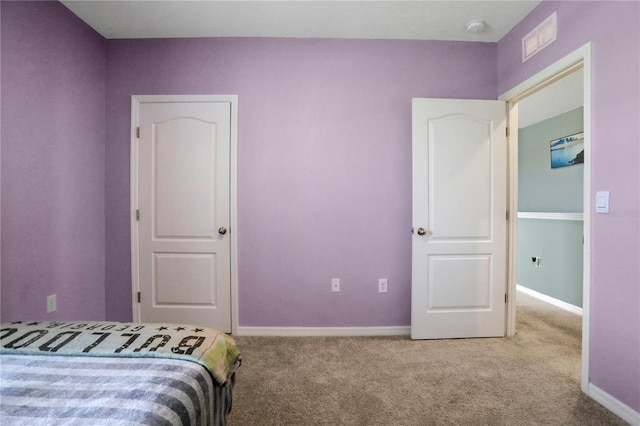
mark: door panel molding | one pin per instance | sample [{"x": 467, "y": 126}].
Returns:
[{"x": 136, "y": 101}]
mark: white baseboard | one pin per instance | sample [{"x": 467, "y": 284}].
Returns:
[
  {"x": 324, "y": 331},
  {"x": 553, "y": 301},
  {"x": 618, "y": 408}
]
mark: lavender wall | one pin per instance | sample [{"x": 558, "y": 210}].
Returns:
[
  {"x": 324, "y": 167},
  {"x": 615, "y": 249},
  {"x": 53, "y": 73}
]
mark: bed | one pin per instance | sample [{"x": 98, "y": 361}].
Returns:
[{"x": 108, "y": 373}]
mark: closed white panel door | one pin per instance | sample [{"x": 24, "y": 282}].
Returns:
[
  {"x": 459, "y": 219},
  {"x": 183, "y": 201}
]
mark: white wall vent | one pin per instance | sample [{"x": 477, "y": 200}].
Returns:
[{"x": 542, "y": 36}]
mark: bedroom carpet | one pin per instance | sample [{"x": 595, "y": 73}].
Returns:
[{"x": 532, "y": 378}]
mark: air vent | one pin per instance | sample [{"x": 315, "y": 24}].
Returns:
[{"x": 542, "y": 36}]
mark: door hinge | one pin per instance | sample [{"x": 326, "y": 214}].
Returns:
[
  {"x": 507, "y": 215},
  {"x": 506, "y": 131},
  {"x": 138, "y": 297},
  {"x": 138, "y": 214},
  {"x": 138, "y": 132},
  {"x": 506, "y": 297}
]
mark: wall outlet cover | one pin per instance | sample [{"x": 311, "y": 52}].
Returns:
[
  {"x": 51, "y": 303},
  {"x": 335, "y": 285}
]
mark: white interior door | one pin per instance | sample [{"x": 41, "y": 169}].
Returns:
[
  {"x": 183, "y": 183},
  {"x": 459, "y": 218}
]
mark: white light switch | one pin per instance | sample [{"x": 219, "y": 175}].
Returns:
[{"x": 602, "y": 202}]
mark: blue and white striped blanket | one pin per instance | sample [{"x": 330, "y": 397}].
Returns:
[{"x": 110, "y": 377}]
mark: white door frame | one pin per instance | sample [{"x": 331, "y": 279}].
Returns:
[
  {"x": 581, "y": 57},
  {"x": 233, "y": 211}
]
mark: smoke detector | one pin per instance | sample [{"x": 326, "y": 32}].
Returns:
[{"x": 476, "y": 26}]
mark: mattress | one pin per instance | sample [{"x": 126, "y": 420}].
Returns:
[{"x": 117, "y": 374}]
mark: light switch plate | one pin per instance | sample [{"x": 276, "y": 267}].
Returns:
[{"x": 602, "y": 202}]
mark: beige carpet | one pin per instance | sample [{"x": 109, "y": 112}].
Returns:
[{"x": 530, "y": 379}]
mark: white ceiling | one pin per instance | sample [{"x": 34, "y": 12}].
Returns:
[
  {"x": 396, "y": 19},
  {"x": 562, "y": 96}
]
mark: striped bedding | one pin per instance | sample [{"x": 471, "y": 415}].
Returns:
[{"x": 49, "y": 388}]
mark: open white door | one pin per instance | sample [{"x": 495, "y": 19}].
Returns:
[{"x": 460, "y": 219}]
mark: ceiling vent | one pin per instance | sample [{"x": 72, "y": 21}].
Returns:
[{"x": 542, "y": 36}]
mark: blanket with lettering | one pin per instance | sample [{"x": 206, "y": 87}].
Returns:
[{"x": 213, "y": 349}]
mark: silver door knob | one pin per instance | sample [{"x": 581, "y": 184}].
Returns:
[
  {"x": 222, "y": 230},
  {"x": 422, "y": 231}
]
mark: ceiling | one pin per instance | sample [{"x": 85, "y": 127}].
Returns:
[
  {"x": 562, "y": 96},
  {"x": 395, "y": 19}
]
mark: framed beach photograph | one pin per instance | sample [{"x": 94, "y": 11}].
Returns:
[{"x": 567, "y": 151}]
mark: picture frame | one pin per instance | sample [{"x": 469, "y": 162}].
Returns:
[{"x": 567, "y": 150}]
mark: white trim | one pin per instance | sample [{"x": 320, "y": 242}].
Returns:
[
  {"x": 133, "y": 182},
  {"x": 550, "y": 216},
  {"x": 233, "y": 197},
  {"x": 587, "y": 52},
  {"x": 612, "y": 404},
  {"x": 324, "y": 331},
  {"x": 550, "y": 300},
  {"x": 581, "y": 57},
  {"x": 233, "y": 212},
  {"x": 512, "y": 242}
]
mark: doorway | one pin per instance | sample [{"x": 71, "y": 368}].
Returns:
[
  {"x": 550, "y": 193},
  {"x": 579, "y": 59}
]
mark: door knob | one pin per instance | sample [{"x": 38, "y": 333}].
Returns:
[
  {"x": 422, "y": 231},
  {"x": 222, "y": 230}
]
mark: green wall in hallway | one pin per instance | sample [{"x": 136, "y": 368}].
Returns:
[{"x": 542, "y": 189}]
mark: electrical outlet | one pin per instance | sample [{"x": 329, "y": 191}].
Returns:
[
  {"x": 51, "y": 303},
  {"x": 382, "y": 285},
  {"x": 335, "y": 285}
]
